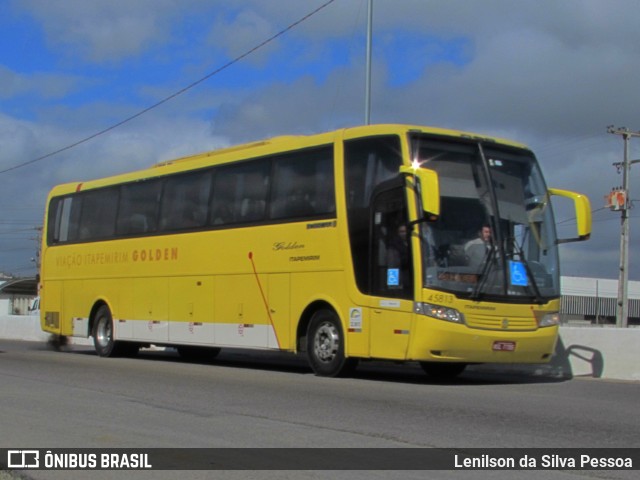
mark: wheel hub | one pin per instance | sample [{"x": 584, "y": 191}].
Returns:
[
  {"x": 104, "y": 332},
  {"x": 327, "y": 342}
]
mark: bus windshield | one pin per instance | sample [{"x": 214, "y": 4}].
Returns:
[{"x": 495, "y": 238}]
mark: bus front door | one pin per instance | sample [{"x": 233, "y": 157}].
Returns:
[{"x": 391, "y": 275}]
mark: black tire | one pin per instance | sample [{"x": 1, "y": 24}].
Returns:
[
  {"x": 198, "y": 354},
  {"x": 325, "y": 346},
  {"x": 443, "y": 370},
  {"x": 103, "y": 341}
]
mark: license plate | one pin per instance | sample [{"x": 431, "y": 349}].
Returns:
[{"x": 502, "y": 346}]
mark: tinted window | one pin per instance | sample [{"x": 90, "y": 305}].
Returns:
[
  {"x": 275, "y": 188},
  {"x": 64, "y": 220},
  {"x": 368, "y": 163},
  {"x": 185, "y": 201},
  {"x": 303, "y": 185},
  {"x": 240, "y": 193},
  {"x": 138, "y": 211},
  {"x": 98, "y": 216}
]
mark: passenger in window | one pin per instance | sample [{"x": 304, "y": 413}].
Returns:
[{"x": 477, "y": 249}]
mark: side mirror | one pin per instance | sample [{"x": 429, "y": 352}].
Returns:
[
  {"x": 582, "y": 208},
  {"x": 429, "y": 188}
]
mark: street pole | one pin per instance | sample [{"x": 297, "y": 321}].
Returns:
[
  {"x": 367, "y": 94},
  {"x": 622, "y": 312}
]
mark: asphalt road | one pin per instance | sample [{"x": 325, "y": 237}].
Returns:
[{"x": 72, "y": 399}]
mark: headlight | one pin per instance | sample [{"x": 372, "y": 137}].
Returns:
[
  {"x": 549, "y": 320},
  {"x": 439, "y": 312}
]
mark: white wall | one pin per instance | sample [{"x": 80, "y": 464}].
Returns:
[{"x": 596, "y": 352}]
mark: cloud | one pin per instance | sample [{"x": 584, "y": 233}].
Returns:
[
  {"x": 103, "y": 30},
  {"x": 240, "y": 33},
  {"x": 550, "y": 74},
  {"x": 45, "y": 85}
]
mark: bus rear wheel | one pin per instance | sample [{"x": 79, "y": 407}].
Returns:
[
  {"x": 103, "y": 341},
  {"x": 443, "y": 370},
  {"x": 325, "y": 346}
]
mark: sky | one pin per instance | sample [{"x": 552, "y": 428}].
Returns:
[{"x": 547, "y": 73}]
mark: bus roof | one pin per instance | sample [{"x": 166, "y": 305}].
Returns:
[
  {"x": 271, "y": 146},
  {"x": 290, "y": 141}
]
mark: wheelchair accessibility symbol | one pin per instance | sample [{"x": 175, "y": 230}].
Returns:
[
  {"x": 393, "y": 277},
  {"x": 518, "y": 274}
]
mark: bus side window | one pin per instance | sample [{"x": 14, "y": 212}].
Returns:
[
  {"x": 184, "y": 201},
  {"x": 138, "y": 209},
  {"x": 222, "y": 211},
  {"x": 240, "y": 193},
  {"x": 254, "y": 189},
  {"x": 303, "y": 185},
  {"x": 63, "y": 220},
  {"x": 98, "y": 215}
]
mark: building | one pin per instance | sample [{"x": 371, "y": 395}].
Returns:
[
  {"x": 17, "y": 295},
  {"x": 593, "y": 301}
]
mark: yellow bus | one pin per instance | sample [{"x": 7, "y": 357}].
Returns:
[{"x": 362, "y": 243}]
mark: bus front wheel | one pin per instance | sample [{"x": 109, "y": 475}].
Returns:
[{"x": 325, "y": 346}]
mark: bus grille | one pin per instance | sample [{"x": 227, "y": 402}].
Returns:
[{"x": 501, "y": 323}]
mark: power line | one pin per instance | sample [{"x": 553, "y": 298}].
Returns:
[
  {"x": 568, "y": 142},
  {"x": 13, "y": 232},
  {"x": 573, "y": 219},
  {"x": 174, "y": 95}
]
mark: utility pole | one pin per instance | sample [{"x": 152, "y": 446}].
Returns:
[
  {"x": 622, "y": 311},
  {"x": 36, "y": 258}
]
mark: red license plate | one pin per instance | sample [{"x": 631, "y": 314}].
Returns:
[{"x": 502, "y": 346}]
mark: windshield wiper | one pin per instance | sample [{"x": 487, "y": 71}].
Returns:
[{"x": 486, "y": 264}]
